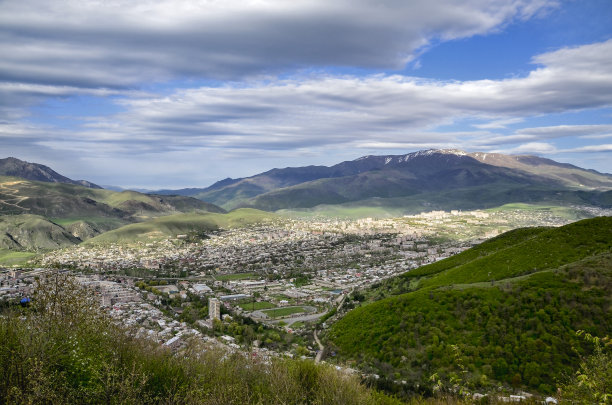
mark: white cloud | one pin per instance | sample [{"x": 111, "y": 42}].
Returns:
[
  {"x": 88, "y": 43},
  {"x": 559, "y": 131},
  {"x": 497, "y": 124},
  {"x": 591, "y": 148},
  {"x": 530, "y": 148},
  {"x": 376, "y": 110}
]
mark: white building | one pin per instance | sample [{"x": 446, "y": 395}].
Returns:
[{"x": 214, "y": 309}]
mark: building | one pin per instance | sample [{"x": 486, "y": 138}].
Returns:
[{"x": 214, "y": 309}]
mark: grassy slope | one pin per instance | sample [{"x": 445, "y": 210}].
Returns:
[
  {"x": 172, "y": 225},
  {"x": 75, "y": 210},
  {"x": 12, "y": 258},
  {"x": 548, "y": 249},
  {"x": 61, "y": 200},
  {"x": 31, "y": 232},
  {"x": 517, "y": 329}
]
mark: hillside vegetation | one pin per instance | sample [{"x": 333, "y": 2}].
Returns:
[
  {"x": 63, "y": 350},
  {"x": 38, "y": 215},
  {"x": 60, "y": 200},
  {"x": 172, "y": 225},
  {"x": 506, "y": 310}
]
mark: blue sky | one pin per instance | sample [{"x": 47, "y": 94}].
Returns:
[{"x": 171, "y": 94}]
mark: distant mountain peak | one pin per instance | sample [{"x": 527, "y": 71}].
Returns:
[{"x": 14, "y": 167}]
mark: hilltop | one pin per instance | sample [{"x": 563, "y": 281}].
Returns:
[
  {"x": 442, "y": 179},
  {"x": 506, "y": 310},
  {"x": 33, "y": 171}
]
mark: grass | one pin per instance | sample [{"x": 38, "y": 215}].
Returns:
[
  {"x": 285, "y": 311},
  {"x": 12, "y": 258},
  {"x": 250, "y": 306},
  {"x": 237, "y": 276},
  {"x": 548, "y": 249}
]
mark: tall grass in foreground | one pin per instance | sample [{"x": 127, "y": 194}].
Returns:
[{"x": 64, "y": 350}]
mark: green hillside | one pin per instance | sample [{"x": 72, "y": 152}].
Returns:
[
  {"x": 41, "y": 215},
  {"x": 506, "y": 310},
  {"x": 60, "y": 200},
  {"x": 31, "y": 232},
  {"x": 172, "y": 225}
]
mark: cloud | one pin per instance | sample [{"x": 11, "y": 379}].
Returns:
[
  {"x": 326, "y": 110},
  {"x": 530, "y": 148},
  {"x": 591, "y": 149},
  {"x": 117, "y": 43},
  {"x": 559, "y": 131},
  {"x": 496, "y": 124}
]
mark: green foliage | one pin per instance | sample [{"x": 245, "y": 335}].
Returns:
[
  {"x": 63, "y": 350},
  {"x": 547, "y": 249},
  {"x": 517, "y": 330},
  {"x": 592, "y": 383}
]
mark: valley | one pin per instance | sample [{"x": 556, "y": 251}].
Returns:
[{"x": 405, "y": 299}]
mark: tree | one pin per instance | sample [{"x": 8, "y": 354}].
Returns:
[{"x": 592, "y": 383}]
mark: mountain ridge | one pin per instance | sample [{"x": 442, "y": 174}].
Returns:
[
  {"x": 287, "y": 188},
  {"x": 14, "y": 167}
]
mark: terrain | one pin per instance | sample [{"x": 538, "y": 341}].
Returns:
[
  {"x": 38, "y": 215},
  {"x": 504, "y": 312},
  {"x": 438, "y": 179}
]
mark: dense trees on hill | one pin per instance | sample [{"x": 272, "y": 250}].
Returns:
[{"x": 517, "y": 332}]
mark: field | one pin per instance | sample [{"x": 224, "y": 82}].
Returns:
[
  {"x": 12, "y": 258},
  {"x": 237, "y": 276},
  {"x": 280, "y": 312},
  {"x": 250, "y": 306}
]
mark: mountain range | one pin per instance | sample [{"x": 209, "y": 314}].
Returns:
[
  {"x": 35, "y": 200},
  {"x": 434, "y": 177}
]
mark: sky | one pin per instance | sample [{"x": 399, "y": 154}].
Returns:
[{"x": 170, "y": 94}]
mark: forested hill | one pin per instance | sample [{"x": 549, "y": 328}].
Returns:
[{"x": 504, "y": 312}]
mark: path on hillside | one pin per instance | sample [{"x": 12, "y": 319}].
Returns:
[
  {"x": 12, "y": 193},
  {"x": 321, "y": 348}
]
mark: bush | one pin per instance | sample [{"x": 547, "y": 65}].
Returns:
[{"x": 592, "y": 383}]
